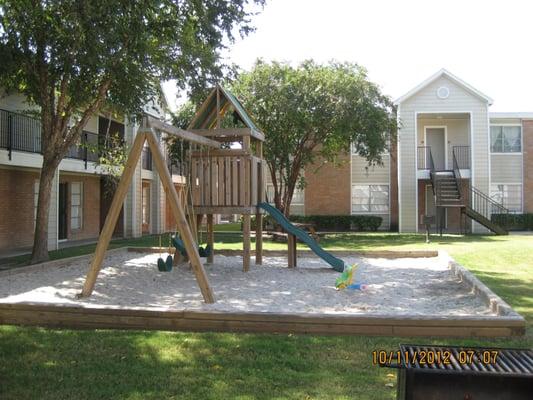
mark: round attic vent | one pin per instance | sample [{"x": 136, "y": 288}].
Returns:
[{"x": 443, "y": 92}]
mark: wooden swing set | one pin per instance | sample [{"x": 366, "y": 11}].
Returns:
[{"x": 227, "y": 181}]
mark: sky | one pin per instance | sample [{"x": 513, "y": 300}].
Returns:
[{"x": 487, "y": 43}]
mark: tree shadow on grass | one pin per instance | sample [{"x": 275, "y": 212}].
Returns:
[{"x": 146, "y": 365}]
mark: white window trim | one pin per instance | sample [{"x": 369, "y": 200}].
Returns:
[
  {"x": 269, "y": 184},
  {"x": 369, "y": 212},
  {"x": 507, "y": 153},
  {"x": 80, "y": 227},
  {"x": 521, "y": 194}
]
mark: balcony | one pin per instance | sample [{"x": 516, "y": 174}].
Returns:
[
  {"x": 461, "y": 154},
  {"x": 19, "y": 132}
]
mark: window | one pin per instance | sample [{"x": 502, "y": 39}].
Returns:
[
  {"x": 510, "y": 196},
  {"x": 297, "y": 196},
  {"x": 370, "y": 199},
  {"x": 76, "y": 208},
  {"x": 505, "y": 139}
]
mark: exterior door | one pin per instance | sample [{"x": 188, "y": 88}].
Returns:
[
  {"x": 62, "y": 209},
  {"x": 436, "y": 139}
]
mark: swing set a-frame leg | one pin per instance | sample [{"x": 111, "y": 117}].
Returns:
[{"x": 179, "y": 215}]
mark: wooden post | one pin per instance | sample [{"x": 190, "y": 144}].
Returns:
[
  {"x": 246, "y": 243},
  {"x": 210, "y": 238},
  {"x": 291, "y": 244},
  {"x": 258, "y": 214},
  {"x": 181, "y": 220},
  {"x": 199, "y": 219},
  {"x": 112, "y": 215}
]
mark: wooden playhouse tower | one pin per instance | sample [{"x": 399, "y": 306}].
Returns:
[{"x": 228, "y": 180}]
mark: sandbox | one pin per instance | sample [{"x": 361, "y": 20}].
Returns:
[{"x": 406, "y": 296}]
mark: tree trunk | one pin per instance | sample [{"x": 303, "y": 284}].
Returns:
[{"x": 40, "y": 239}]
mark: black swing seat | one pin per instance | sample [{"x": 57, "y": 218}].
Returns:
[{"x": 180, "y": 246}]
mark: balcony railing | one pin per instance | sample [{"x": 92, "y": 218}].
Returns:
[
  {"x": 461, "y": 156},
  {"x": 423, "y": 156},
  {"x": 460, "y": 153},
  {"x": 19, "y": 132}
]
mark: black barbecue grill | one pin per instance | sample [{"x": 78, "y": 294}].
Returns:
[{"x": 461, "y": 373}]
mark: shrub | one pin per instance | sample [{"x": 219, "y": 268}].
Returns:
[
  {"x": 341, "y": 223},
  {"x": 515, "y": 222}
]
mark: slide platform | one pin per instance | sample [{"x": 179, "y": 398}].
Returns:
[{"x": 336, "y": 263}]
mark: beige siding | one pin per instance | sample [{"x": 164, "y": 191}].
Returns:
[
  {"x": 459, "y": 100},
  {"x": 92, "y": 124},
  {"x": 506, "y": 168},
  {"x": 15, "y": 102},
  {"x": 362, "y": 173}
]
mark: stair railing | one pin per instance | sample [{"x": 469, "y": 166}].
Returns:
[
  {"x": 484, "y": 205},
  {"x": 457, "y": 173}
]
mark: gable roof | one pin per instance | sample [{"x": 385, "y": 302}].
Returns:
[
  {"x": 206, "y": 114},
  {"x": 453, "y": 78}
]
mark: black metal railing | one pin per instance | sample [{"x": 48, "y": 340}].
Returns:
[
  {"x": 423, "y": 157},
  {"x": 484, "y": 205},
  {"x": 146, "y": 159},
  {"x": 86, "y": 149},
  {"x": 457, "y": 174},
  {"x": 462, "y": 154},
  {"x": 19, "y": 132}
]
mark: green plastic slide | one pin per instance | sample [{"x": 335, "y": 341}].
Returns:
[{"x": 336, "y": 263}]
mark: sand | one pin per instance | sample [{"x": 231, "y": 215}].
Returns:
[{"x": 415, "y": 286}]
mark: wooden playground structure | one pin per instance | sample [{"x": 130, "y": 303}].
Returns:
[{"x": 225, "y": 180}]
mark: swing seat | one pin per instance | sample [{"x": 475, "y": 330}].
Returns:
[
  {"x": 168, "y": 263},
  {"x": 205, "y": 251},
  {"x": 161, "y": 266},
  {"x": 180, "y": 246}
]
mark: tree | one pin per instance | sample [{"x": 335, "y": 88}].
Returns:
[
  {"x": 72, "y": 57},
  {"x": 314, "y": 112}
]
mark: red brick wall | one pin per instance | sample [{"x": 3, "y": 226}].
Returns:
[
  {"x": 91, "y": 206},
  {"x": 17, "y": 209},
  {"x": 527, "y": 132},
  {"x": 328, "y": 190}
]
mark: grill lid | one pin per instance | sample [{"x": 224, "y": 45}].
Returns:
[{"x": 472, "y": 360}]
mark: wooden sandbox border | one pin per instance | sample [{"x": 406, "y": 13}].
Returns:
[{"x": 507, "y": 323}]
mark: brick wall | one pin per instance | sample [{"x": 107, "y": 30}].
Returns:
[
  {"x": 91, "y": 206},
  {"x": 328, "y": 190},
  {"x": 527, "y": 132},
  {"x": 17, "y": 209}
]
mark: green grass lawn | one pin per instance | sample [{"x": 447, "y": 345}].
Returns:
[{"x": 65, "y": 364}]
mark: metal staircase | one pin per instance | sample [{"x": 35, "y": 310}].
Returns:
[{"x": 474, "y": 204}]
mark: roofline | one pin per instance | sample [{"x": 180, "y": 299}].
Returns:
[
  {"x": 437, "y": 75},
  {"x": 515, "y": 115}
]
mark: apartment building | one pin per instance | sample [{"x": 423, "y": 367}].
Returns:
[
  {"x": 454, "y": 161},
  {"x": 80, "y": 198},
  {"x": 480, "y": 163}
]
